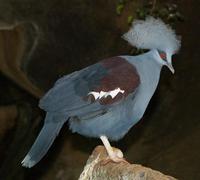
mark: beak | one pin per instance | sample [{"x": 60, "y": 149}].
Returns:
[
  {"x": 169, "y": 63},
  {"x": 171, "y": 68}
]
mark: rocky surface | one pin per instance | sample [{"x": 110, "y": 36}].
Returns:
[{"x": 98, "y": 167}]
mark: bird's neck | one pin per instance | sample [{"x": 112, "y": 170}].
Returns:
[
  {"x": 149, "y": 71},
  {"x": 152, "y": 57},
  {"x": 146, "y": 63},
  {"x": 149, "y": 68}
]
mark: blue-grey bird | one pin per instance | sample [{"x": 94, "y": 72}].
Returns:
[{"x": 106, "y": 99}]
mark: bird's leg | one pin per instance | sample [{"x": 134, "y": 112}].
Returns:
[{"x": 115, "y": 155}]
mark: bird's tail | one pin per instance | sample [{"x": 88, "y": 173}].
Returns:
[{"x": 44, "y": 141}]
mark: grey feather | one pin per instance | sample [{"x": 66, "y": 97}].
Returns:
[
  {"x": 44, "y": 141},
  {"x": 68, "y": 92},
  {"x": 119, "y": 118},
  {"x": 153, "y": 33},
  {"x": 93, "y": 119}
]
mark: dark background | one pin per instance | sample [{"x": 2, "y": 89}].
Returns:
[{"x": 42, "y": 40}]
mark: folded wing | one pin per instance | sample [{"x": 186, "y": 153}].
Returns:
[{"x": 98, "y": 86}]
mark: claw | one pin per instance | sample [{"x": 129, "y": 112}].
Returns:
[{"x": 114, "y": 155}]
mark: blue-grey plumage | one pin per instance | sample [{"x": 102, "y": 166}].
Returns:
[
  {"x": 120, "y": 117},
  {"x": 107, "y": 98},
  {"x": 45, "y": 139}
]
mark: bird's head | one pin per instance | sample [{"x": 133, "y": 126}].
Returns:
[
  {"x": 154, "y": 34},
  {"x": 165, "y": 58}
]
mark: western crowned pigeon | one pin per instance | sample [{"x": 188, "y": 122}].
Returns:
[{"x": 106, "y": 99}]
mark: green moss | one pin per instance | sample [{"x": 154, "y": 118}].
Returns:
[
  {"x": 130, "y": 19},
  {"x": 169, "y": 12},
  {"x": 119, "y": 9}
]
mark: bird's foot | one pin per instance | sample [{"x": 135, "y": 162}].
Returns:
[{"x": 114, "y": 155}]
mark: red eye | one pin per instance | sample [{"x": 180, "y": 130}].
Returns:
[{"x": 163, "y": 55}]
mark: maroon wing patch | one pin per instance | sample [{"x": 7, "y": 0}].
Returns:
[{"x": 121, "y": 74}]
